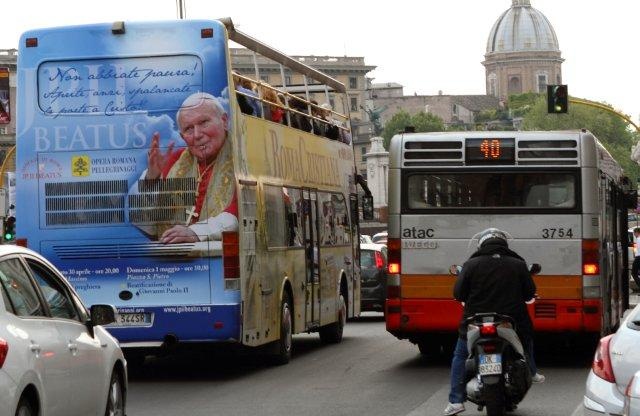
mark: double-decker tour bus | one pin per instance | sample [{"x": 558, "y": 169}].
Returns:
[
  {"x": 206, "y": 205},
  {"x": 560, "y": 196}
]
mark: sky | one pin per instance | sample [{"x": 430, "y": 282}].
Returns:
[{"x": 427, "y": 46}]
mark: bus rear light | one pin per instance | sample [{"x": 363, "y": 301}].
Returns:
[
  {"x": 590, "y": 268},
  {"x": 231, "y": 254},
  {"x": 31, "y": 42},
  {"x": 393, "y": 254},
  {"x": 590, "y": 256},
  {"x": 4, "y": 349},
  {"x": 206, "y": 33},
  {"x": 601, "y": 365}
]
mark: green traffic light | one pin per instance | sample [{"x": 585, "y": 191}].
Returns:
[{"x": 8, "y": 236}]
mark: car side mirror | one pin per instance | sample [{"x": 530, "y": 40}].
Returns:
[
  {"x": 367, "y": 207},
  {"x": 103, "y": 314},
  {"x": 535, "y": 268}
]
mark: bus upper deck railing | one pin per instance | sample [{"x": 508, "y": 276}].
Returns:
[{"x": 318, "y": 119}]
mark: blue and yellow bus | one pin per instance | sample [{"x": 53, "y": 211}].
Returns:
[{"x": 145, "y": 183}]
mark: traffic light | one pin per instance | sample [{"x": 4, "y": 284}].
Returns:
[
  {"x": 557, "y": 99},
  {"x": 9, "y": 229}
]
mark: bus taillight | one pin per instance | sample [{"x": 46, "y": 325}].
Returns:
[
  {"x": 231, "y": 255},
  {"x": 590, "y": 256},
  {"x": 393, "y": 252}
]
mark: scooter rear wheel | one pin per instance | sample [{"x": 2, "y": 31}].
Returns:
[{"x": 494, "y": 399}]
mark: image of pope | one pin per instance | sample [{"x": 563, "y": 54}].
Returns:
[{"x": 203, "y": 125}]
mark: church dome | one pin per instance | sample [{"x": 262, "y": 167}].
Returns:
[{"x": 522, "y": 28}]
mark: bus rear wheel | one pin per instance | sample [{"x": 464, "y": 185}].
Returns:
[
  {"x": 282, "y": 347},
  {"x": 332, "y": 333}
]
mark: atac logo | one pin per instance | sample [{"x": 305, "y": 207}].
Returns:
[{"x": 80, "y": 165}]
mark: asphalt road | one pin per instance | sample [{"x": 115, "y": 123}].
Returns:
[{"x": 370, "y": 373}]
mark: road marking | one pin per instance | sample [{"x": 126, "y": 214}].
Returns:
[
  {"x": 578, "y": 411},
  {"x": 434, "y": 405}
]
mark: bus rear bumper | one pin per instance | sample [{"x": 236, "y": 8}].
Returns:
[
  {"x": 182, "y": 323},
  {"x": 407, "y": 317}
]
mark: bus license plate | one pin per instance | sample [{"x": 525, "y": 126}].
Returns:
[
  {"x": 490, "y": 364},
  {"x": 132, "y": 319}
]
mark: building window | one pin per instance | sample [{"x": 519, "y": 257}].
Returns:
[
  {"x": 515, "y": 87},
  {"x": 363, "y": 151},
  {"x": 454, "y": 109},
  {"x": 353, "y": 83},
  {"x": 542, "y": 83},
  {"x": 354, "y": 103}
]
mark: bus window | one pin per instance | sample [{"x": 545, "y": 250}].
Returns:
[{"x": 492, "y": 190}]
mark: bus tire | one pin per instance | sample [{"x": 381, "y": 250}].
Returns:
[
  {"x": 332, "y": 333},
  {"x": 282, "y": 347}
]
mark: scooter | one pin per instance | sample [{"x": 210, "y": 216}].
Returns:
[{"x": 497, "y": 373}]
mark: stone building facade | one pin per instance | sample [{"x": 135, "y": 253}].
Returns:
[{"x": 9, "y": 59}]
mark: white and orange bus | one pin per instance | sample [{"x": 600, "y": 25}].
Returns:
[{"x": 560, "y": 195}]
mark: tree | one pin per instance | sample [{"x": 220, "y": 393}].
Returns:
[
  {"x": 422, "y": 122},
  {"x": 611, "y": 130}
]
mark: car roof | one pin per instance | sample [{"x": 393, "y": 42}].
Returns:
[{"x": 372, "y": 246}]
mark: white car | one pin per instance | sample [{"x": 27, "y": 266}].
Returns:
[
  {"x": 632, "y": 396},
  {"x": 616, "y": 360},
  {"x": 55, "y": 357},
  {"x": 365, "y": 239},
  {"x": 380, "y": 238}
]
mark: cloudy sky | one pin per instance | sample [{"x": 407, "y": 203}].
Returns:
[{"x": 425, "y": 45}]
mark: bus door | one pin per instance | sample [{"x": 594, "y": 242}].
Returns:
[{"x": 312, "y": 258}]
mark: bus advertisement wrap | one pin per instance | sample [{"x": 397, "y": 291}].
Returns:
[{"x": 97, "y": 138}]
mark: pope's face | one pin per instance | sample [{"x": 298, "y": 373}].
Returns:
[{"x": 204, "y": 131}]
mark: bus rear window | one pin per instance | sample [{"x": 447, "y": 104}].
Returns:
[
  {"x": 535, "y": 190},
  {"x": 117, "y": 86}
]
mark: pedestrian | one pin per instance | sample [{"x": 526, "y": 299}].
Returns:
[{"x": 635, "y": 268}]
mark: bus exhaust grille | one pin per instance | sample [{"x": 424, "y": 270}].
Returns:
[
  {"x": 162, "y": 201},
  {"x": 85, "y": 203},
  {"x": 545, "y": 310},
  {"x": 111, "y": 251}
]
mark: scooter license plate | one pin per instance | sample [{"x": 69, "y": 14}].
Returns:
[{"x": 490, "y": 364}]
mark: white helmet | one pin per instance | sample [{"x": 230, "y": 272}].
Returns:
[{"x": 491, "y": 233}]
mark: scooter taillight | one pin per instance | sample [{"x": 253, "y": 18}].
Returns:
[{"x": 488, "y": 330}]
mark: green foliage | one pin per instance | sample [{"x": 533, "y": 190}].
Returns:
[
  {"x": 422, "y": 122},
  {"x": 528, "y": 99},
  {"x": 610, "y": 129}
]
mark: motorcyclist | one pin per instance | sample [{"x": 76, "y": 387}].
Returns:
[{"x": 494, "y": 279}]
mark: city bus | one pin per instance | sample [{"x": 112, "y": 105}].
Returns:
[
  {"x": 151, "y": 190},
  {"x": 561, "y": 197}
]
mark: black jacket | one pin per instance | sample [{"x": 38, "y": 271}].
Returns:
[{"x": 496, "y": 279}]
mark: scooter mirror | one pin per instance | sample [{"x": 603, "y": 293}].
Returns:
[
  {"x": 454, "y": 269},
  {"x": 535, "y": 268}
]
